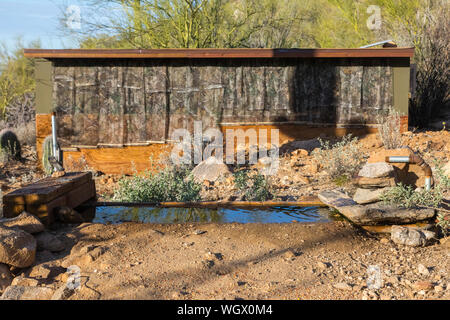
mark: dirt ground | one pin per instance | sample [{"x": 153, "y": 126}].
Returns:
[{"x": 242, "y": 261}]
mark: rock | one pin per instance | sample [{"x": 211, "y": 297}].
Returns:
[
  {"x": 84, "y": 257},
  {"x": 5, "y": 277},
  {"x": 210, "y": 169},
  {"x": 410, "y": 236},
  {"x": 369, "y": 183},
  {"x": 17, "y": 248},
  {"x": 322, "y": 265},
  {"x": 376, "y": 170},
  {"x": 373, "y": 214},
  {"x": 25, "y": 281},
  {"x": 27, "y": 293},
  {"x": 365, "y": 196},
  {"x": 438, "y": 289},
  {"x": 58, "y": 174},
  {"x": 47, "y": 241},
  {"x": 343, "y": 286},
  {"x": 423, "y": 285},
  {"x": 64, "y": 292},
  {"x": 300, "y": 153},
  {"x": 311, "y": 169},
  {"x": 25, "y": 221},
  {"x": 421, "y": 269},
  {"x": 41, "y": 271}
]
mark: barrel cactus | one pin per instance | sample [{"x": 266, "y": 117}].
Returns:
[
  {"x": 47, "y": 152},
  {"x": 9, "y": 144}
]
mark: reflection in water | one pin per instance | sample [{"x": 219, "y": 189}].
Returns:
[{"x": 241, "y": 215}]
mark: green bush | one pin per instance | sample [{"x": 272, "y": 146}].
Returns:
[
  {"x": 407, "y": 197},
  {"x": 170, "y": 184},
  {"x": 255, "y": 187}
]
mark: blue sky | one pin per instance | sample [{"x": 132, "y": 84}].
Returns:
[{"x": 34, "y": 19}]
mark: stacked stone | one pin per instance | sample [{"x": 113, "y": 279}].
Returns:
[{"x": 372, "y": 180}]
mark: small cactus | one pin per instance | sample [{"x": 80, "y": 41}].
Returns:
[
  {"x": 9, "y": 144},
  {"x": 47, "y": 152}
]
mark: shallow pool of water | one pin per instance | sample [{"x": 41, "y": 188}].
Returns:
[{"x": 286, "y": 214}]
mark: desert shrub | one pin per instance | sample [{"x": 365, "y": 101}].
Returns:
[
  {"x": 433, "y": 71},
  {"x": 254, "y": 186},
  {"x": 174, "y": 183},
  {"x": 340, "y": 160},
  {"x": 389, "y": 129},
  {"x": 27, "y": 133},
  {"x": 405, "y": 196}
]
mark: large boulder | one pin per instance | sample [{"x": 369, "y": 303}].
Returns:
[
  {"x": 17, "y": 247},
  {"x": 210, "y": 169},
  {"x": 25, "y": 221},
  {"x": 411, "y": 236},
  {"x": 27, "y": 293},
  {"x": 373, "y": 214},
  {"x": 5, "y": 277}
]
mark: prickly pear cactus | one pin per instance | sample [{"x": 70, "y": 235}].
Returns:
[
  {"x": 47, "y": 151},
  {"x": 9, "y": 144}
]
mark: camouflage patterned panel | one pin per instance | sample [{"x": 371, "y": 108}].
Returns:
[
  {"x": 134, "y": 102},
  {"x": 253, "y": 89},
  {"x": 180, "y": 80},
  {"x": 63, "y": 102},
  {"x": 85, "y": 113},
  {"x": 210, "y": 97},
  {"x": 278, "y": 98},
  {"x": 232, "y": 76},
  {"x": 377, "y": 92},
  {"x": 315, "y": 90},
  {"x": 111, "y": 126},
  {"x": 350, "y": 81},
  {"x": 155, "y": 78}
]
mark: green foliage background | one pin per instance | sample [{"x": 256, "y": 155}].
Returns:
[{"x": 423, "y": 24}]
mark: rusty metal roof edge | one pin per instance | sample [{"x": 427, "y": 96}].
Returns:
[{"x": 220, "y": 53}]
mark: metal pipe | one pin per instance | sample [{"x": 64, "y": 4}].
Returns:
[
  {"x": 414, "y": 159},
  {"x": 375, "y": 44},
  {"x": 55, "y": 153}
]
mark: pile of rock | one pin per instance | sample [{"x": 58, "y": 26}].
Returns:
[
  {"x": 365, "y": 208},
  {"x": 372, "y": 181},
  {"x": 20, "y": 237}
]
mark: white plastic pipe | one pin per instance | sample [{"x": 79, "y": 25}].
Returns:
[{"x": 55, "y": 152}]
